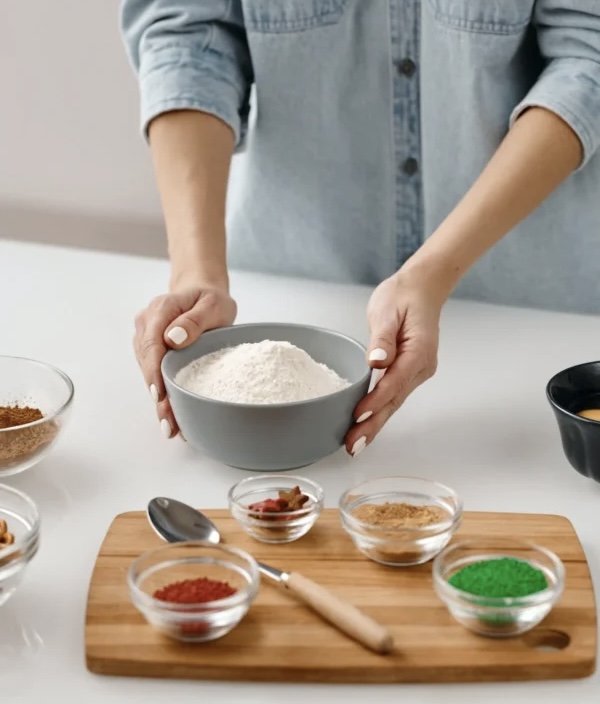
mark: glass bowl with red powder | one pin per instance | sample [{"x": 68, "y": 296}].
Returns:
[
  {"x": 19, "y": 538},
  {"x": 276, "y": 509},
  {"x": 35, "y": 404},
  {"x": 194, "y": 591}
]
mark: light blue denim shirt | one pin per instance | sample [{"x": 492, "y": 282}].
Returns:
[{"x": 361, "y": 123}]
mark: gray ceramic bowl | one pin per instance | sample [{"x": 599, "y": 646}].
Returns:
[{"x": 272, "y": 437}]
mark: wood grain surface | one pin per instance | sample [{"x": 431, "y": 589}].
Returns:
[{"x": 282, "y": 640}]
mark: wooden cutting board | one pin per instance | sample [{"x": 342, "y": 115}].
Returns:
[{"x": 282, "y": 640}]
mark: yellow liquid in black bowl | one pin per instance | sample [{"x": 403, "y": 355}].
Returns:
[{"x": 590, "y": 413}]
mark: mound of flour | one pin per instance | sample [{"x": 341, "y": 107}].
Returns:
[{"x": 259, "y": 372}]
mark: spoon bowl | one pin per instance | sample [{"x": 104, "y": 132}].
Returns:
[{"x": 175, "y": 521}]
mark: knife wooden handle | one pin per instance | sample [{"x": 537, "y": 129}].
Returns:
[{"x": 341, "y": 613}]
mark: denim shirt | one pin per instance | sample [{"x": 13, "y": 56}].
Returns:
[{"x": 361, "y": 123}]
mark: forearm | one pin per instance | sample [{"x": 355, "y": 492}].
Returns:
[
  {"x": 192, "y": 153},
  {"x": 536, "y": 156}
]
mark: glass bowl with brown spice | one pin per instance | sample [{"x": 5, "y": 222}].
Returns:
[
  {"x": 276, "y": 509},
  {"x": 35, "y": 404},
  {"x": 400, "y": 521},
  {"x": 19, "y": 538}
]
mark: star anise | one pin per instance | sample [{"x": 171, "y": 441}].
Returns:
[{"x": 294, "y": 497}]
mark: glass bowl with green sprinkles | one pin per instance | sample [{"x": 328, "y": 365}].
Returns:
[{"x": 498, "y": 587}]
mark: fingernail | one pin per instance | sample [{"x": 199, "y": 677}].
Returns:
[
  {"x": 359, "y": 446},
  {"x": 364, "y": 416},
  {"x": 165, "y": 426},
  {"x": 154, "y": 393},
  {"x": 377, "y": 355},
  {"x": 177, "y": 335},
  {"x": 376, "y": 376}
]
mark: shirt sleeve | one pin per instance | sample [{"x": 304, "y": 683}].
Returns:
[
  {"x": 568, "y": 33},
  {"x": 189, "y": 54}
]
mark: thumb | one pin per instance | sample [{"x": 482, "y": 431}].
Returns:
[
  {"x": 382, "y": 343},
  {"x": 188, "y": 327},
  {"x": 382, "y": 348}
]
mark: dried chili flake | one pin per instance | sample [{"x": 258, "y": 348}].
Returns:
[
  {"x": 287, "y": 502},
  {"x": 269, "y": 506}
]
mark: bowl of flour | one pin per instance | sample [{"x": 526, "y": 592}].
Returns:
[{"x": 267, "y": 396}]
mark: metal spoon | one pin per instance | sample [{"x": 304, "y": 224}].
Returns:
[{"x": 176, "y": 522}]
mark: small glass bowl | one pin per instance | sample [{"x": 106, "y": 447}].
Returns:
[
  {"x": 22, "y": 520},
  {"x": 495, "y": 616},
  {"x": 282, "y": 527},
  {"x": 27, "y": 382},
  {"x": 193, "y": 622},
  {"x": 404, "y": 545}
]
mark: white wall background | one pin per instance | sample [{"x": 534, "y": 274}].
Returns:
[{"x": 69, "y": 120}]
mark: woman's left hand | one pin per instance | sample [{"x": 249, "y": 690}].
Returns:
[{"x": 403, "y": 316}]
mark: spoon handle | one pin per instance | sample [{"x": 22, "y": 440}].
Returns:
[{"x": 340, "y": 613}]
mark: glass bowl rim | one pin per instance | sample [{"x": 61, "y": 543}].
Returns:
[
  {"x": 50, "y": 367},
  {"x": 499, "y": 603},
  {"x": 246, "y": 594},
  {"x": 439, "y": 527},
  {"x": 32, "y": 533},
  {"x": 316, "y": 507}
]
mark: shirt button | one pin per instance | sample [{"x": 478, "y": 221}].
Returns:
[
  {"x": 407, "y": 67},
  {"x": 410, "y": 166}
]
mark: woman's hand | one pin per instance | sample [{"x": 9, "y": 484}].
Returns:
[
  {"x": 175, "y": 320},
  {"x": 403, "y": 316}
]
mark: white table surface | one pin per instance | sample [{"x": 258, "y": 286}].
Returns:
[{"x": 482, "y": 425}]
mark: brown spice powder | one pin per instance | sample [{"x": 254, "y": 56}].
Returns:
[
  {"x": 396, "y": 516},
  {"x": 20, "y": 444},
  {"x": 399, "y": 515},
  {"x": 12, "y": 416}
]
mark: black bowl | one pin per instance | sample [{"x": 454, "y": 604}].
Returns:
[{"x": 569, "y": 392}]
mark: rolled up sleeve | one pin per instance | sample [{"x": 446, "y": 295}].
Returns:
[
  {"x": 189, "y": 55},
  {"x": 568, "y": 34}
]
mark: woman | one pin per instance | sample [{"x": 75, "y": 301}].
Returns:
[{"x": 428, "y": 148}]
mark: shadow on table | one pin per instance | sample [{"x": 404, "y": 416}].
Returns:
[
  {"x": 19, "y": 640},
  {"x": 56, "y": 484}
]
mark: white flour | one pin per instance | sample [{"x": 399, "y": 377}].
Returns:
[{"x": 260, "y": 372}]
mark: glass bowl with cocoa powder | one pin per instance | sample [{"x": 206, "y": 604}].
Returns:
[
  {"x": 276, "y": 509},
  {"x": 19, "y": 538},
  {"x": 400, "y": 521},
  {"x": 35, "y": 404}
]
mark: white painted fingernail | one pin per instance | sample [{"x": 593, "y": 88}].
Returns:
[
  {"x": 359, "y": 446},
  {"x": 364, "y": 416},
  {"x": 376, "y": 376},
  {"x": 154, "y": 393},
  {"x": 177, "y": 335},
  {"x": 165, "y": 426},
  {"x": 377, "y": 355}
]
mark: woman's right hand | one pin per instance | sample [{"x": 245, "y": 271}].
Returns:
[{"x": 175, "y": 320}]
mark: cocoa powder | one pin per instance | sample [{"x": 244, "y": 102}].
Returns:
[
  {"x": 11, "y": 416},
  {"x": 19, "y": 444}
]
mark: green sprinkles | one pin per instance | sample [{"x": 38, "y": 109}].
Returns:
[{"x": 503, "y": 577}]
